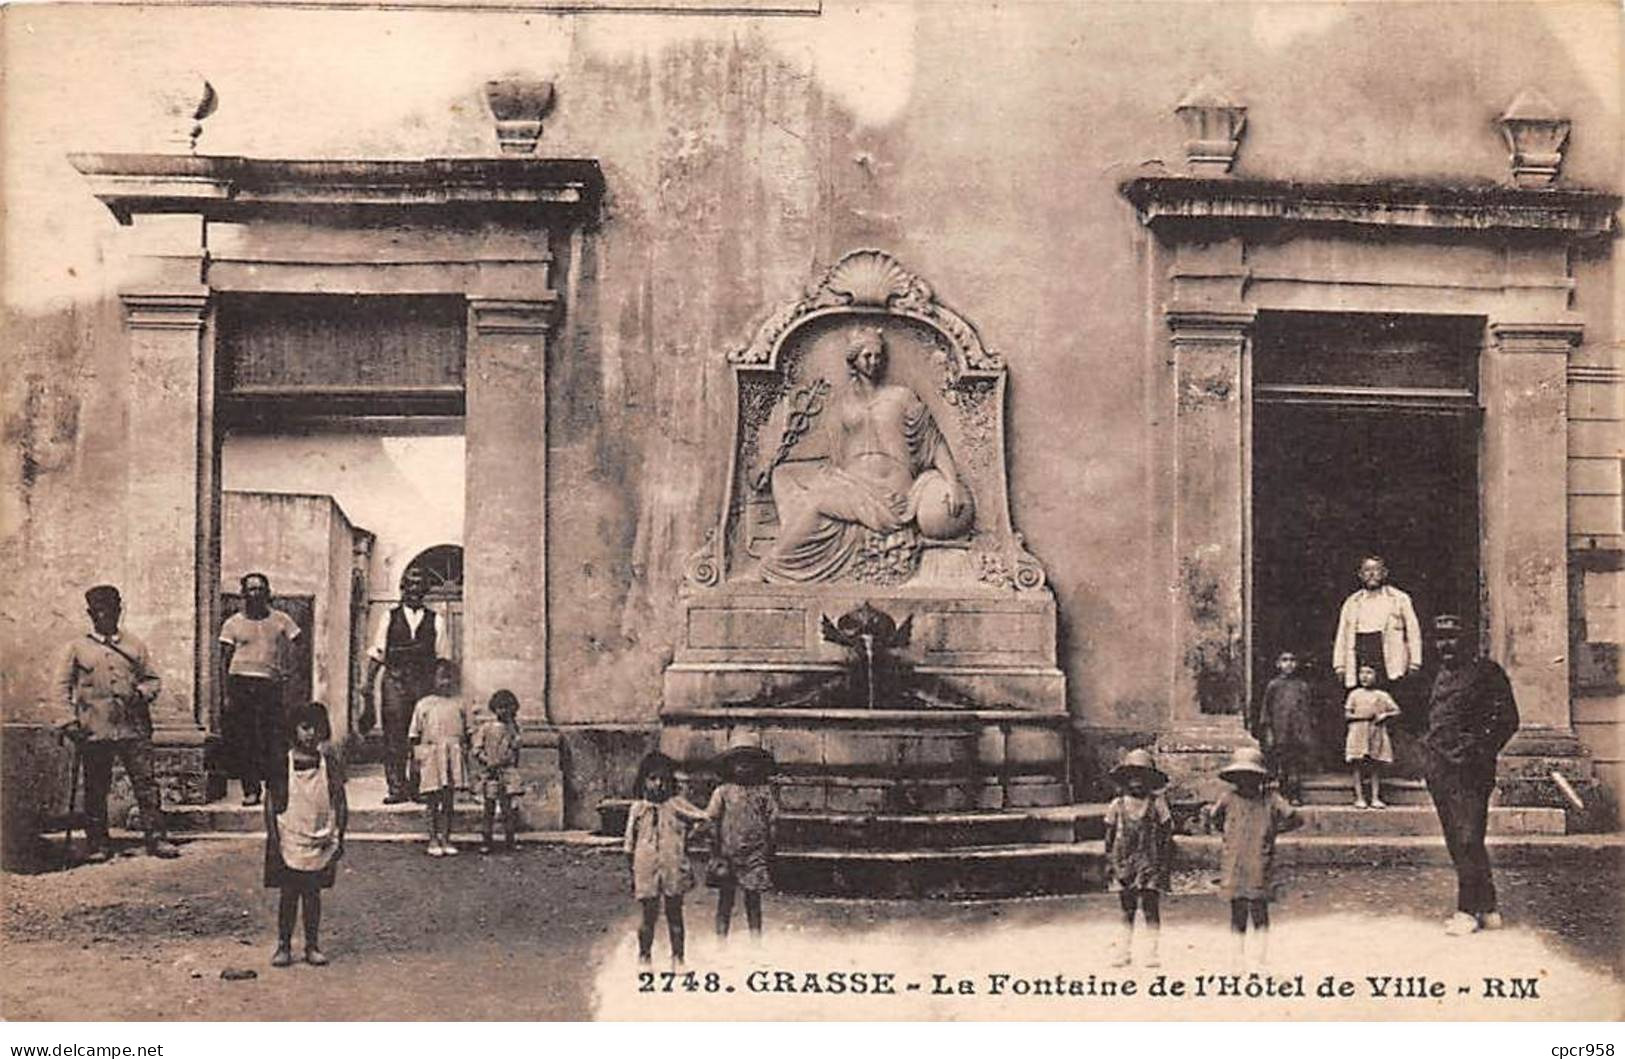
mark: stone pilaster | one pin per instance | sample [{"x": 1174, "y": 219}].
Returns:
[
  {"x": 505, "y": 537},
  {"x": 170, "y": 462},
  {"x": 1209, "y": 342},
  {"x": 1525, "y": 519},
  {"x": 505, "y": 531}
]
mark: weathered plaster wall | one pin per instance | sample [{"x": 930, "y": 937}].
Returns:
[
  {"x": 406, "y": 491},
  {"x": 982, "y": 144},
  {"x": 303, "y": 544}
]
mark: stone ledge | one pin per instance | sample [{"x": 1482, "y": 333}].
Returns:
[
  {"x": 228, "y": 187},
  {"x": 1569, "y": 214}
]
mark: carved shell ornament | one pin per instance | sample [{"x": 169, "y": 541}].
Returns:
[
  {"x": 870, "y": 277},
  {"x": 873, "y": 279}
]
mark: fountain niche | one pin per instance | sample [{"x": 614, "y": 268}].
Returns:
[{"x": 865, "y": 607}]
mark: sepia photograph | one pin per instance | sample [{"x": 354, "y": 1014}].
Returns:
[{"x": 811, "y": 510}]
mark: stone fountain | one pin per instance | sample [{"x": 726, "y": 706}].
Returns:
[{"x": 864, "y": 605}]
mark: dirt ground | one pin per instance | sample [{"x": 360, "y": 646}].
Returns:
[{"x": 546, "y": 933}]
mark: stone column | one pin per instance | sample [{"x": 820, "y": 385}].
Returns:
[
  {"x": 1525, "y": 527},
  {"x": 505, "y": 529},
  {"x": 1211, "y": 509},
  {"x": 169, "y": 544},
  {"x": 170, "y": 444}
]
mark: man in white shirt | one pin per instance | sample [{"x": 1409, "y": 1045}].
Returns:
[
  {"x": 1377, "y": 627},
  {"x": 256, "y": 653},
  {"x": 406, "y": 644}
]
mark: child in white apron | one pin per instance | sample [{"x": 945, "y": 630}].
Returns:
[{"x": 305, "y": 816}]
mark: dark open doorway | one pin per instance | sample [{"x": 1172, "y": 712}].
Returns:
[{"x": 1365, "y": 439}]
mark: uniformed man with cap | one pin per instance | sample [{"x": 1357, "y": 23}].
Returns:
[
  {"x": 409, "y": 640},
  {"x": 108, "y": 684},
  {"x": 1471, "y": 715}
]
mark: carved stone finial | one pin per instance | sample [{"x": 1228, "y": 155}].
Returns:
[
  {"x": 519, "y": 104},
  {"x": 185, "y": 105},
  {"x": 1213, "y": 126},
  {"x": 1536, "y": 134}
]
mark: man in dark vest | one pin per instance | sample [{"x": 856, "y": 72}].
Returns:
[
  {"x": 408, "y": 642},
  {"x": 1471, "y": 715}
]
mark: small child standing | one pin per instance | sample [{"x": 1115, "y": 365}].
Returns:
[
  {"x": 1250, "y": 816},
  {"x": 1139, "y": 849},
  {"x": 1286, "y": 725},
  {"x": 1368, "y": 746},
  {"x": 657, "y": 828},
  {"x": 439, "y": 736},
  {"x": 496, "y": 757},
  {"x": 744, "y": 815},
  {"x": 305, "y": 816}
]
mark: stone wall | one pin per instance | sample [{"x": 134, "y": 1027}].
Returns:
[
  {"x": 304, "y": 545},
  {"x": 982, "y": 145}
]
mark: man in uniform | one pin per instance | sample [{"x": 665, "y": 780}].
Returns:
[
  {"x": 1471, "y": 715},
  {"x": 256, "y": 649},
  {"x": 108, "y": 684},
  {"x": 408, "y": 642}
]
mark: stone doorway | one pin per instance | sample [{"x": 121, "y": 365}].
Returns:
[{"x": 1331, "y": 483}]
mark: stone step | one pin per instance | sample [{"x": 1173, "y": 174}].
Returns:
[
  {"x": 907, "y": 831},
  {"x": 1337, "y": 788},
  {"x": 1013, "y": 870},
  {"x": 1422, "y": 820}
]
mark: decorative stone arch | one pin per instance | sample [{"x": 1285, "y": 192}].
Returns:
[{"x": 784, "y": 372}]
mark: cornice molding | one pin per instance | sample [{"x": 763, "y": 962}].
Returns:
[
  {"x": 222, "y": 187},
  {"x": 1536, "y": 336},
  {"x": 510, "y": 316},
  {"x": 1200, "y": 203},
  {"x": 1606, "y": 373},
  {"x": 166, "y": 311}
]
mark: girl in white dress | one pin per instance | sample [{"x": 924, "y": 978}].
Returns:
[
  {"x": 439, "y": 737},
  {"x": 1368, "y": 747}
]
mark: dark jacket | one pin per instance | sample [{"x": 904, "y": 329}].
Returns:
[{"x": 1471, "y": 715}]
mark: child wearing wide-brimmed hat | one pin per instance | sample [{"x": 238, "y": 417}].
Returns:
[
  {"x": 1139, "y": 849},
  {"x": 657, "y": 829},
  {"x": 744, "y": 815},
  {"x": 1251, "y": 815}
]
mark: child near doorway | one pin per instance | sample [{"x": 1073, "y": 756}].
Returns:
[
  {"x": 305, "y": 816},
  {"x": 439, "y": 737},
  {"x": 1368, "y": 748},
  {"x": 657, "y": 829},
  {"x": 1250, "y": 816},
  {"x": 1139, "y": 850},
  {"x": 1286, "y": 725},
  {"x": 744, "y": 815},
  {"x": 496, "y": 757}
]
